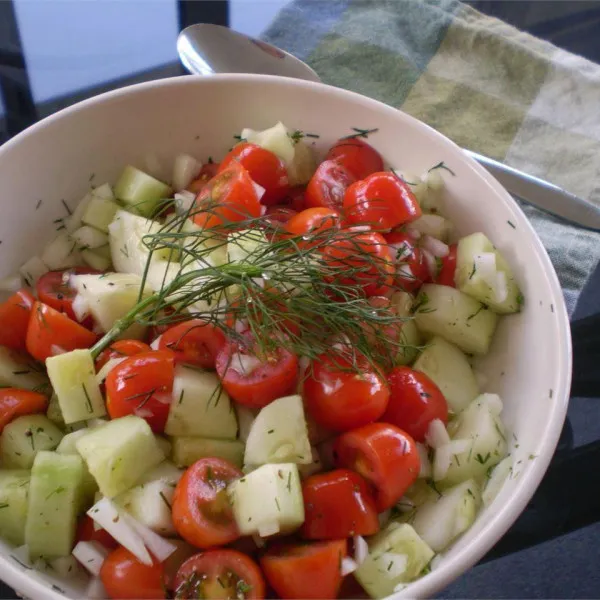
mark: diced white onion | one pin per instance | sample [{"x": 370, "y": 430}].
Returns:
[
  {"x": 81, "y": 308},
  {"x": 425, "y": 470},
  {"x": 55, "y": 350},
  {"x": 95, "y": 590},
  {"x": 437, "y": 435},
  {"x": 268, "y": 529},
  {"x": 159, "y": 546},
  {"x": 435, "y": 246},
  {"x": 500, "y": 287},
  {"x": 303, "y": 364},
  {"x": 397, "y": 564},
  {"x": 441, "y": 462},
  {"x": 359, "y": 228},
  {"x": 263, "y": 210},
  {"x": 260, "y": 543},
  {"x": 259, "y": 281},
  {"x": 361, "y": 549},
  {"x": 143, "y": 413},
  {"x": 185, "y": 170},
  {"x": 155, "y": 343},
  {"x": 12, "y": 283},
  {"x": 348, "y": 566},
  {"x": 183, "y": 201},
  {"x": 413, "y": 233},
  {"x": 493, "y": 402},
  {"x": 91, "y": 555},
  {"x": 431, "y": 262},
  {"x": 109, "y": 366},
  {"x": 405, "y": 505},
  {"x": 485, "y": 267},
  {"x": 401, "y": 251},
  {"x": 259, "y": 189},
  {"x": 244, "y": 363}
]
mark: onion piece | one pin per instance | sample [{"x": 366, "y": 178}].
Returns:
[
  {"x": 259, "y": 189},
  {"x": 81, "y": 308},
  {"x": 432, "y": 266},
  {"x": 160, "y": 547},
  {"x": 155, "y": 343},
  {"x": 413, "y": 233},
  {"x": 185, "y": 170},
  {"x": 268, "y": 529},
  {"x": 493, "y": 402},
  {"x": 348, "y": 566},
  {"x": 425, "y": 469},
  {"x": 55, "y": 350},
  {"x": 260, "y": 543},
  {"x": 500, "y": 287},
  {"x": 91, "y": 555},
  {"x": 435, "y": 246},
  {"x": 244, "y": 363},
  {"x": 184, "y": 201},
  {"x": 441, "y": 462},
  {"x": 109, "y": 366},
  {"x": 437, "y": 435},
  {"x": 361, "y": 549}
]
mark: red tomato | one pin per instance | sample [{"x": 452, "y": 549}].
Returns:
[
  {"x": 207, "y": 172},
  {"x": 305, "y": 571},
  {"x": 50, "y": 332},
  {"x": 264, "y": 167},
  {"x": 229, "y": 197},
  {"x": 16, "y": 403},
  {"x": 357, "y": 156},
  {"x": 361, "y": 261},
  {"x": 124, "y": 576},
  {"x": 296, "y": 198},
  {"x": 382, "y": 201},
  {"x": 121, "y": 349},
  {"x": 194, "y": 342},
  {"x": 201, "y": 510},
  {"x": 384, "y": 455},
  {"x": 415, "y": 401},
  {"x": 279, "y": 215},
  {"x": 272, "y": 378},
  {"x": 14, "y": 320},
  {"x": 337, "y": 505},
  {"x": 87, "y": 533},
  {"x": 328, "y": 186},
  {"x": 339, "y": 399},
  {"x": 220, "y": 574},
  {"x": 142, "y": 385},
  {"x": 411, "y": 267},
  {"x": 54, "y": 289},
  {"x": 447, "y": 270},
  {"x": 313, "y": 222}
]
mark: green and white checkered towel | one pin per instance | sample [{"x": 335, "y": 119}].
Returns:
[{"x": 481, "y": 82}]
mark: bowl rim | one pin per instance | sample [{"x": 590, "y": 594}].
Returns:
[{"x": 502, "y": 520}]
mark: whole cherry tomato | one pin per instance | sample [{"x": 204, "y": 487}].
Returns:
[
  {"x": 356, "y": 156},
  {"x": 14, "y": 320},
  {"x": 328, "y": 186}
]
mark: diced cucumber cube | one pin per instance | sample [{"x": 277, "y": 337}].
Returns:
[
  {"x": 73, "y": 377},
  {"x": 410, "y": 340},
  {"x": 61, "y": 252},
  {"x": 397, "y": 555},
  {"x": 54, "y": 413},
  {"x": 185, "y": 169},
  {"x": 268, "y": 500},
  {"x": 402, "y": 303},
  {"x": 456, "y": 317},
  {"x": 246, "y": 245},
  {"x": 54, "y": 497},
  {"x": 89, "y": 238},
  {"x": 275, "y": 139},
  {"x": 279, "y": 434},
  {"x": 140, "y": 191},
  {"x": 32, "y": 270},
  {"x": 96, "y": 260},
  {"x": 73, "y": 221},
  {"x": 200, "y": 406},
  {"x": 14, "y": 488},
  {"x": 103, "y": 191},
  {"x": 100, "y": 212},
  {"x": 24, "y": 437},
  {"x": 496, "y": 480},
  {"x": 449, "y": 369},
  {"x": 303, "y": 165},
  {"x": 19, "y": 371},
  {"x": 119, "y": 453},
  {"x": 187, "y": 450},
  {"x": 434, "y": 225}
]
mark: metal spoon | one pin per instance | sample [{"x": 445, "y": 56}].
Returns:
[{"x": 206, "y": 49}]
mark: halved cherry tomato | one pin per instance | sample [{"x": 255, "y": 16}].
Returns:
[
  {"x": 220, "y": 574},
  {"x": 339, "y": 399},
  {"x": 328, "y": 186},
  {"x": 305, "y": 571},
  {"x": 338, "y": 504},
  {"x": 195, "y": 342},
  {"x": 411, "y": 267},
  {"x": 121, "y": 349},
  {"x": 296, "y": 198},
  {"x": 264, "y": 167},
  {"x": 384, "y": 455},
  {"x": 312, "y": 222},
  {"x": 201, "y": 509},
  {"x": 229, "y": 197},
  {"x": 360, "y": 260},
  {"x": 87, "y": 533},
  {"x": 55, "y": 290},
  {"x": 50, "y": 332},
  {"x": 447, "y": 269},
  {"x": 207, "y": 172},
  {"x": 257, "y": 385},
  {"x": 279, "y": 215},
  {"x": 14, "y": 320},
  {"x": 16, "y": 403},
  {"x": 142, "y": 385},
  {"x": 357, "y": 156},
  {"x": 382, "y": 201},
  {"x": 415, "y": 401},
  {"x": 124, "y": 576}
]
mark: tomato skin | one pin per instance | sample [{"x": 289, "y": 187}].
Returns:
[
  {"x": 142, "y": 385},
  {"x": 415, "y": 401},
  {"x": 124, "y": 576},
  {"x": 411, "y": 267},
  {"x": 447, "y": 271},
  {"x": 121, "y": 349},
  {"x": 356, "y": 156},
  {"x": 48, "y": 327},
  {"x": 384, "y": 455},
  {"x": 296, "y": 198},
  {"x": 219, "y": 574},
  {"x": 278, "y": 216},
  {"x": 87, "y": 533},
  {"x": 305, "y": 571},
  {"x": 313, "y": 222},
  {"x": 201, "y": 511},
  {"x": 264, "y": 167},
  {"x": 328, "y": 186},
  {"x": 14, "y": 320},
  {"x": 339, "y": 399},
  {"x": 207, "y": 172},
  {"x": 195, "y": 342},
  {"x": 16, "y": 403},
  {"x": 382, "y": 201},
  {"x": 338, "y": 504}
]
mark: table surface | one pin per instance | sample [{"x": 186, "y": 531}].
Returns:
[{"x": 56, "y": 52}]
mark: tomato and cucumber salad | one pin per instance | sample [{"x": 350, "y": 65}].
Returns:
[{"x": 259, "y": 385}]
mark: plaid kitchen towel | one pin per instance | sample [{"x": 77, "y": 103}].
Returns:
[{"x": 479, "y": 81}]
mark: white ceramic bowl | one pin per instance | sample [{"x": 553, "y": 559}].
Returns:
[{"x": 530, "y": 362}]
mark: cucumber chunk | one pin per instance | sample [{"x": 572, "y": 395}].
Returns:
[
  {"x": 140, "y": 191},
  {"x": 73, "y": 377},
  {"x": 397, "y": 555},
  {"x": 434, "y": 225},
  {"x": 89, "y": 238},
  {"x": 96, "y": 260},
  {"x": 61, "y": 253},
  {"x": 54, "y": 413},
  {"x": 482, "y": 283},
  {"x": 100, "y": 213},
  {"x": 187, "y": 450},
  {"x": 32, "y": 270},
  {"x": 456, "y": 317},
  {"x": 279, "y": 434},
  {"x": 275, "y": 139},
  {"x": 303, "y": 165},
  {"x": 119, "y": 453},
  {"x": 246, "y": 245},
  {"x": 14, "y": 488},
  {"x": 496, "y": 480},
  {"x": 268, "y": 500},
  {"x": 200, "y": 406},
  {"x": 410, "y": 338},
  {"x": 54, "y": 496},
  {"x": 16, "y": 370},
  {"x": 24, "y": 437},
  {"x": 450, "y": 370}
]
